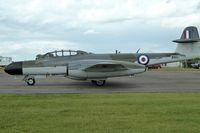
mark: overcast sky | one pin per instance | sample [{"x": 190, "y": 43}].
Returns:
[{"x": 30, "y": 27}]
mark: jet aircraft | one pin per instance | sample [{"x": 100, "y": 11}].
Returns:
[{"x": 80, "y": 65}]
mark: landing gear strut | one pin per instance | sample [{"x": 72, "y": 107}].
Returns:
[
  {"x": 99, "y": 82},
  {"x": 29, "y": 80}
]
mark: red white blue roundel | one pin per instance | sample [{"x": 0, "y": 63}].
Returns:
[{"x": 143, "y": 59}]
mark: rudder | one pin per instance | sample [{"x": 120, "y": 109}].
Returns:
[
  {"x": 189, "y": 35},
  {"x": 189, "y": 43}
]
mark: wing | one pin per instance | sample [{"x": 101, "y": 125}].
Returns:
[{"x": 102, "y": 69}]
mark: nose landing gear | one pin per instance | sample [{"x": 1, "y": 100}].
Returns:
[{"x": 30, "y": 80}]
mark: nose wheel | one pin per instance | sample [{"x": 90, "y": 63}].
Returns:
[
  {"x": 29, "y": 80},
  {"x": 99, "y": 82}
]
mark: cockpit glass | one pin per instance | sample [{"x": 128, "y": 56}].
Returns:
[{"x": 61, "y": 53}]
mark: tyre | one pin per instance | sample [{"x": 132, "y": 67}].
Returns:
[
  {"x": 99, "y": 82},
  {"x": 30, "y": 81}
]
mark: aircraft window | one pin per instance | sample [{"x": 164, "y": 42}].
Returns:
[
  {"x": 58, "y": 53},
  {"x": 50, "y": 55},
  {"x": 61, "y": 53}
]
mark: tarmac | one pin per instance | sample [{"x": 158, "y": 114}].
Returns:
[{"x": 150, "y": 81}]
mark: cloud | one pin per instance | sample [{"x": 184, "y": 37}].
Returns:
[
  {"x": 88, "y": 13},
  {"x": 29, "y": 50},
  {"x": 180, "y": 21},
  {"x": 90, "y": 32},
  {"x": 78, "y": 13}
]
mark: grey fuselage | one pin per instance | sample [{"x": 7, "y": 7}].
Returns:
[
  {"x": 83, "y": 66},
  {"x": 76, "y": 66}
]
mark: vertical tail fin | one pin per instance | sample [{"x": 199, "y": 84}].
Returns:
[
  {"x": 189, "y": 35},
  {"x": 189, "y": 43}
]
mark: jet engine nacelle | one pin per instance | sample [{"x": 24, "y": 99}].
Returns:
[
  {"x": 77, "y": 74},
  {"x": 83, "y": 75}
]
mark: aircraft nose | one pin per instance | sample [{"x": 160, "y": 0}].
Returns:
[{"x": 14, "y": 68}]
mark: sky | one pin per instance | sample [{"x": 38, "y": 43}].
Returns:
[{"x": 31, "y": 27}]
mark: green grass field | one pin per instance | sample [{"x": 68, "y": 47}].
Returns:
[
  {"x": 1, "y": 69},
  {"x": 100, "y": 113},
  {"x": 176, "y": 69}
]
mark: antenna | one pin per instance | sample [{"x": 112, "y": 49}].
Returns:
[{"x": 138, "y": 51}]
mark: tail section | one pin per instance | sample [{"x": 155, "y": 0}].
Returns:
[
  {"x": 189, "y": 43},
  {"x": 189, "y": 35},
  {"x": 188, "y": 47}
]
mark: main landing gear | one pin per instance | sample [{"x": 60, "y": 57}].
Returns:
[{"x": 99, "y": 82}]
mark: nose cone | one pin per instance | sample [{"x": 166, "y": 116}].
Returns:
[{"x": 14, "y": 68}]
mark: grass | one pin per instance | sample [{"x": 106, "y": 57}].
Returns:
[
  {"x": 177, "y": 69},
  {"x": 100, "y": 113},
  {"x": 1, "y": 69}
]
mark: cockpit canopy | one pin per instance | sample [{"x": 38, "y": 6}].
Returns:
[{"x": 61, "y": 53}]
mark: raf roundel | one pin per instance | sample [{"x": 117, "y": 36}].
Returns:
[{"x": 143, "y": 59}]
